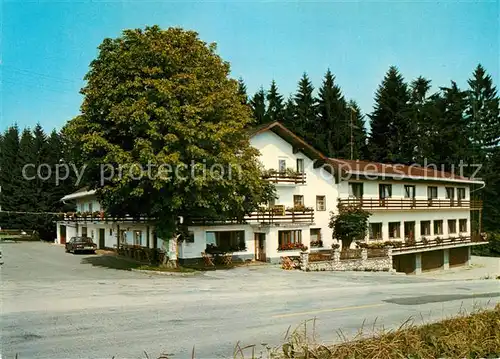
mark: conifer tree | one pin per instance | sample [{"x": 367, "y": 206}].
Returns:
[
  {"x": 304, "y": 122},
  {"x": 483, "y": 113},
  {"x": 242, "y": 91},
  {"x": 333, "y": 129},
  {"x": 392, "y": 131},
  {"x": 275, "y": 106},
  {"x": 258, "y": 104},
  {"x": 360, "y": 148},
  {"x": 289, "y": 112}
]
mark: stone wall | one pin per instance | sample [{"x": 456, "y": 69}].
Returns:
[{"x": 336, "y": 264}]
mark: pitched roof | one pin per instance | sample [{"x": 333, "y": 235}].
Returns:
[
  {"x": 415, "y": 171},
  {"x": 80, "y": 193}
]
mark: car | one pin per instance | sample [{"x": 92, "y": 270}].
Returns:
[
  {"x": 80, "y": 244},
  {"x": 1, "y": 258}
]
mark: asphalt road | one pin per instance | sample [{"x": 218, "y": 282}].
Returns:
[{"x": 58, "y": 305}]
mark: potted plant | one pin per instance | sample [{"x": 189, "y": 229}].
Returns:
[
  {"x": 335, "y": 246},
  {"x": 425, "y": 241},
  {"x": 439, "y": 240}
]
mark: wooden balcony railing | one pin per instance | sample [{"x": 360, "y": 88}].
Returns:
[
  {"x": 434, "y": 243},
  {"x": 408, "y": 203},
  {"x": 284, "y": 177},
  {"x": 268, "y": 216}
]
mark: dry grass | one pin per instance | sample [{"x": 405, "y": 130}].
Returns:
[{"x": 475, "y": 335}]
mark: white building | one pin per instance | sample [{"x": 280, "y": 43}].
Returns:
[{"x": 406, "y": 202}]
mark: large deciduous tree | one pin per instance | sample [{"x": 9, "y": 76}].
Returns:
[{"x": 163, "y": 99}]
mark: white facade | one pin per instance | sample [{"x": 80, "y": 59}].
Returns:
[{"x": 256, "y": 240}]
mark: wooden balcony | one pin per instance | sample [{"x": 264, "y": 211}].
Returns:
[
  {"x": 410, "y": 204},
  {"x": 434, "y": 244},
  {"x": 277, "y": 215},
  {"x": 285, "y": 177}
]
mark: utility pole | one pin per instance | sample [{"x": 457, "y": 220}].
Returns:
[{"x": 352, "y": 131}]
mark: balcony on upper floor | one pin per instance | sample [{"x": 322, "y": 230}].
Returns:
[
  {"x": 410, "y": 203},
  {"x": 277, "y": 214},
  {"x": 285, "y": 177}
]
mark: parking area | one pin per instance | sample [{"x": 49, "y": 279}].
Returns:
[{"x": 59, "y": 305}]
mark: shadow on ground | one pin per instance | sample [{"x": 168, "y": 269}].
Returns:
[{"x": 111, "y": 261}]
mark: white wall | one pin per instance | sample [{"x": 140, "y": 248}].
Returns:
[
  {"x": 318, "y": 182},
  {"x": 386, "y": 216},
  {"x": 370, "y": 188},
  {"x": 193, "y": 250}
]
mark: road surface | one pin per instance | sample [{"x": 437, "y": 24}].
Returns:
[{"x": 59, "y": 305}]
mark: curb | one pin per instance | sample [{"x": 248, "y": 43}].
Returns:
[{"x": 174, "y": 274}]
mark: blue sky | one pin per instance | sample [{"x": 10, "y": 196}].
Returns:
[{"x": 47, "y": 46}]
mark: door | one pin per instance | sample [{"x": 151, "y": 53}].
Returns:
[
  {"x": 62, "y": 233},
  {"x": 102, "y": 233},
  {"x": 260, "y": 246}
]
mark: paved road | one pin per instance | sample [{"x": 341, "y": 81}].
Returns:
[{"x": 58, "y": 305}]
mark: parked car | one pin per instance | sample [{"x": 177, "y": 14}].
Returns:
[
  {"x": 1, "y": 258},
  {"x": 80, "y": 244}
]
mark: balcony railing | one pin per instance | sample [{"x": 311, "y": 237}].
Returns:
[
  {"x": 408, "y": 203},
  {"x": 268, "y": 216},
  {"x": 285, "y": 177},
  {"x": 439, "y": 243}
]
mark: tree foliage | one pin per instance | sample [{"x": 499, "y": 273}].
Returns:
[
  {"x": 164, "y": 97},
  {"x": 349, "y": 223}
]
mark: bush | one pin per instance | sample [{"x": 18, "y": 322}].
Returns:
[{"x": 492, "y": 249}]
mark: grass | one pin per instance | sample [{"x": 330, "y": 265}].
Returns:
[{"x": 474, "y": 335}]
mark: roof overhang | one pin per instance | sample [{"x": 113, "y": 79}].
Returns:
[
  {"x": 76, "y": 195},
  {"x": 379, "y": 175}
]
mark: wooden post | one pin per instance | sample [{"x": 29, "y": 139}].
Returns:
[
  {"x": 117, "y": 237},
  {"x": 147, "y": 236}
]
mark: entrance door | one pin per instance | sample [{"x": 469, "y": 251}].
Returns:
[
  {"x": 102, "y": 233},
  {"x": 62, "y": 234},
  {"x": 260, "y": 247}
]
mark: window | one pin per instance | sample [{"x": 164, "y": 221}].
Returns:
[
  {"x": 320, "y": 203},
  {"x": 84, "y": 231},
  {"x": 282, "y": 166},
  {"x": 315, "y": 234},
  {"x": 450, "y": 193},
  {"x": 432, "y": 192},
  {"x": 90, "y": 207},
  {"x": 227, "y": 241},
  {"x": 410, "y": 230},
  {"x": 123, "y": 236},
  {"x": 425, "y": 228},
  {"x": 385, "y": 191},
  {"x": 300, "y": 165},
  {"x": 438, "y": 227},
  {"x": 461, "y": 193},
  {"x": 111, "y": 231},
  {"x": 394, "y": 230},
  {"x": 409, "y": 191},
  {"x": 289, "y": 239},
  {"x": 355, "y": 189},
  {"x": 298, "y": 200},
  {"x": 375, "y": 231},
  {"x": 452, "y": 226},
  {"x": 462, "y": 225},
  {"x": 190, "y": 237},
  {"x": 138, "y": 238}
]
